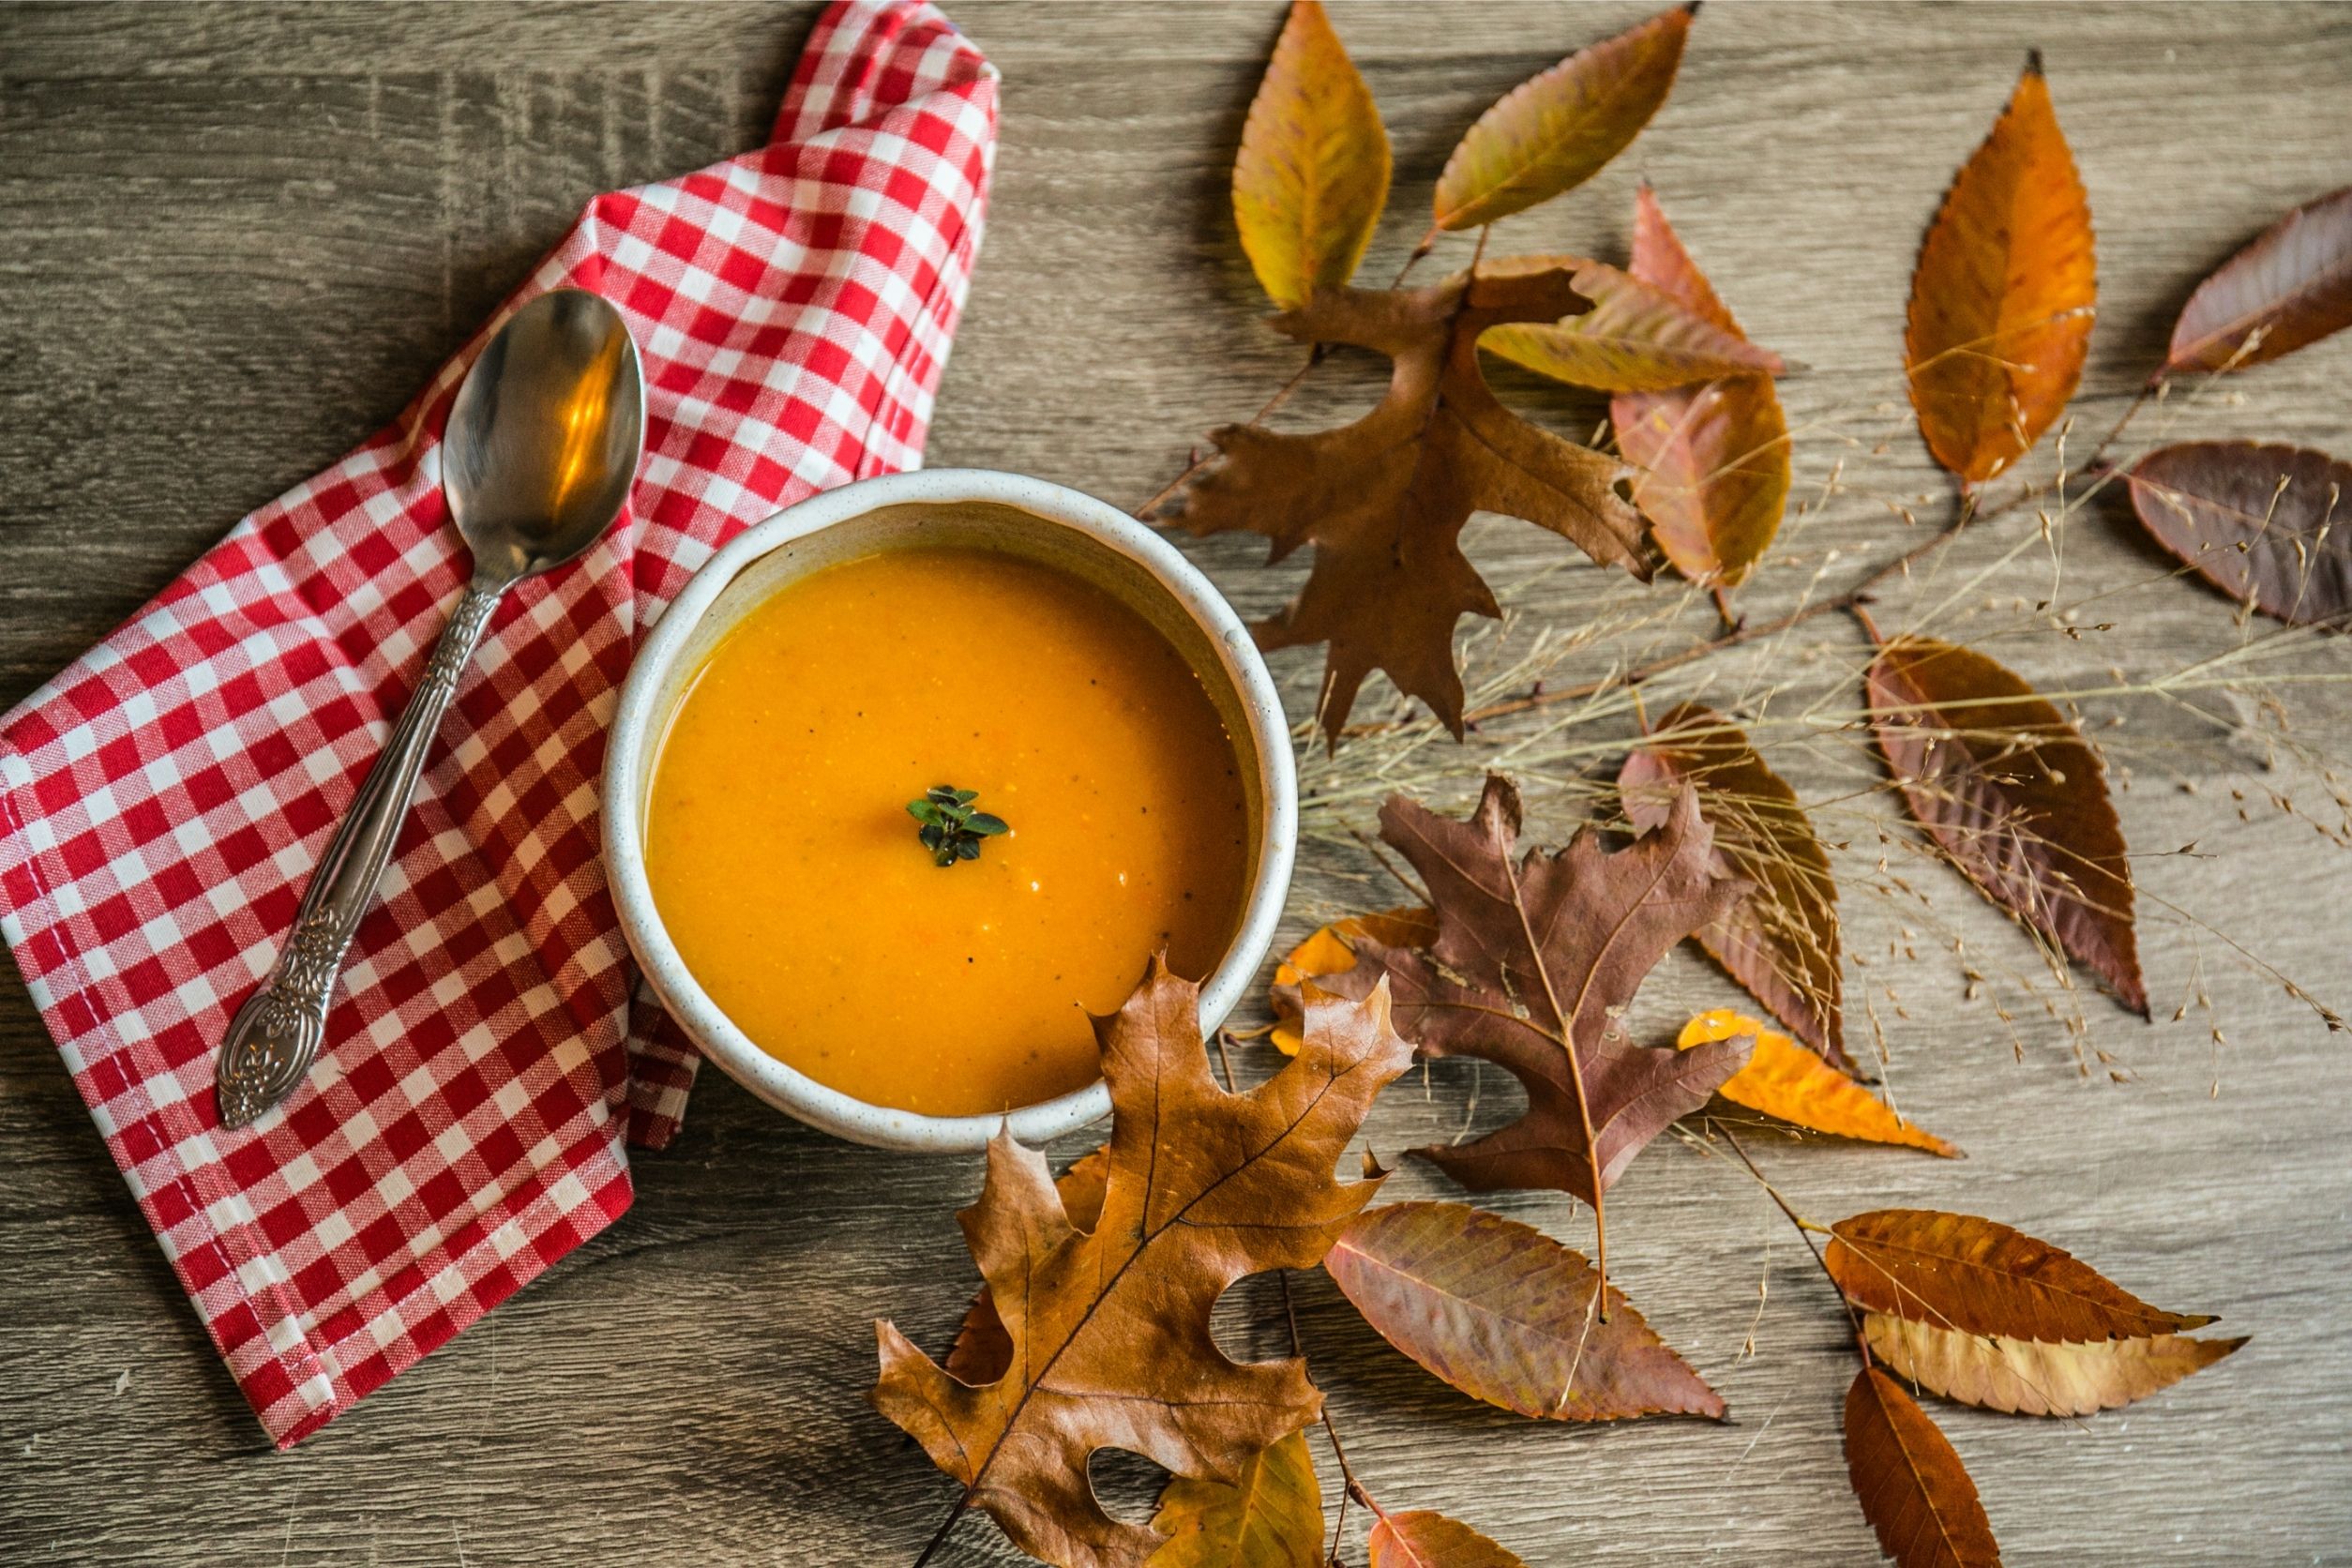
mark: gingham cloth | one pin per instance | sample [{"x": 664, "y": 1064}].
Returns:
[{"x": 165, "y": 799}]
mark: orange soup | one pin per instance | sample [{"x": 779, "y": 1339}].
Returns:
[{"x": 791, "y": 876}]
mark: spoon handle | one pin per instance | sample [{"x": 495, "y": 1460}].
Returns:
[{"x": 276, "y": 1035}]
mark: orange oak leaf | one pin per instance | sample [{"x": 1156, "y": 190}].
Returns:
[
  {"x": 1713, "y": 458},
  {"x": 1109, "y": 1328},
  {"x": 2270, "y": 526},
  {"x": 1507, "y": 1314},
  {"x": 1636, "y": 338},
  {"x": 1780, "y": 941},
  {"x": 1909, "y": 1480},
  {"x": 1534, "y": 963},
  {"x": 1788, "y": 1083},
  {"x": 1331, "y": 950},
  {"x": 2025, "y": 1377},
  {"x": 1383, "y": 499},
  {"x": 1979, "y": 1277},
  {"x": 1272, "y": 1517},
  {"x": 983, "y": 1351},
  {"x": 2002, "y": 302},
  {"x": 1312, "y": 174},
  {"x": 2291, "y": 286},
  {"x": 1420, "y": 1538},
  {"x": 2010, "y": 792},
  {"x": 1555, "y": 131}
]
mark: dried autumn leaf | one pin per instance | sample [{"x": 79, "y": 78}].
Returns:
[
  {"x": 2258, "y": 522},
  {"x": 1979, "y": 1276},
  {"x": 1312, "y": 174},
  {"x": 2024, "y": 1376},
  {"x": 1270, "y": 1518},
  {"x": 1636, "y": 338},
  {"x": 1420, "y": 1538},
  {"x": 2291, "y": 286},
  {"x": 1555, "y": 131},
  {"x": 1533, "y": 965},
  {"x": 2012, "y": 794},
  {"x": 1507, "y": 1314},
  {"x": 983, "y": 1351},
  {"x": 1713, "y": 458},
  {"x": 1909, "y": 1480},
  {"x": 1111, "y": 1328},
  {"x": 1781, "y": 940},
  {"x": 1786, "y": 1082},
  {"x": 2002, "y": 302},
  {"x": 1383, "y": 499},
  {"x": 1331, "y": 950}
]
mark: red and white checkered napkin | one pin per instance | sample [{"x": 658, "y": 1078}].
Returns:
[{"x": 164, "y": 800}]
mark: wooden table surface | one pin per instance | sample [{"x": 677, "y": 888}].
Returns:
[{"x": 234, "y": 239}]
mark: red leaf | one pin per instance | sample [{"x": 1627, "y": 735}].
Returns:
[
  {"x": 2293, "y": 285},
  {"x": 2007, "y": 788},
  {"x": 2270, "y": 526}
]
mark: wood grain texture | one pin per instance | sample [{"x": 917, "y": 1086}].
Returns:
[{"x": 234, "y": 239}]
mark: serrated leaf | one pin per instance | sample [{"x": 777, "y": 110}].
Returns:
[
  {"x": 2292, "y": 285},
  {"x": 2024, "y": 1376},
  {"x": 1383, "y": 501},
  {"x": 2270, "y": 526},
  {"x": 1909, "y": 1480},
  {"x": 1780, "y": 941},
  {"x": 1713, "y": 459},
  {"x": 1979, "y": 1276},
  {"x": 2002, "y": 302},
  {"x": 2010, "y": 792},
  {"x": 1331, "y": 950},
  {"x": 1421, "y": 1539},
  {"x": 1109, "y": 1328},
  {"x": 1312, "y": 174},
  {"x": 1636, "y": 338},
  {"x": 1509, "y": 1315},
  {"x": 1788, "y": 1083},
  {"x": 1555, "y": 131},
  {"x": 1270, "y": 1518}
]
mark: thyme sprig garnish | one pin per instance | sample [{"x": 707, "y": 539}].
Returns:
[{"x": 951, "y": 829}]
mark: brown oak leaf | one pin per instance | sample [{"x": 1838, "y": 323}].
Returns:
[
  {"x": 1534, "y": 962},
  {"x": 1109, "y": 1329},
  {"x": 1383, "y": 501}
]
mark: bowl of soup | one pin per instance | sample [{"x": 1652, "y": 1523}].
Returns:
[{"x": 915, "y": 776}]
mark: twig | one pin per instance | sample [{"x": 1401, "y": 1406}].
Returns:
[{"x": 1806, "y": 1230}]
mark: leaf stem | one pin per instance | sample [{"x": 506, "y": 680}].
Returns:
[{"x": 1806, "y": 1230}]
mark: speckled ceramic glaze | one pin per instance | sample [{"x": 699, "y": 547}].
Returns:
[{"x": 1030, "y": 517}]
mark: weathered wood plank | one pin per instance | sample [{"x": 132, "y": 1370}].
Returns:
[{"x": 237, "y": 238}]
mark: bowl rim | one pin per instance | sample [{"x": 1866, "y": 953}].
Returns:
[{"x": 636, "y": 727}]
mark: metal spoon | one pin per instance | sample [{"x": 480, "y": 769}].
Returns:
[{"x": 541, "y": 449}]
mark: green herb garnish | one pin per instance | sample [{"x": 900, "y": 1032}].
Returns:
[{"x": 952, "y": 830}]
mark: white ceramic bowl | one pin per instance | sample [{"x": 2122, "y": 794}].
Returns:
[{"x": 942, "y": 506}]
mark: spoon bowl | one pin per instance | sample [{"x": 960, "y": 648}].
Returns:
[
  {"x": 541, "y": 449},
  {"x": 544, "y": 439}
]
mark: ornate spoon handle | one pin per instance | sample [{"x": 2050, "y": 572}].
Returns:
[{"x": 276, "y": 1035}]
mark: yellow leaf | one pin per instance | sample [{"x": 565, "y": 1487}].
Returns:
[
  {"x": 1312, "y": 174},
  {"x": 1272, "y": 1518},
  {"x": 1554, "y": 131},
  {"x": 1787, "y": 1082},
  {"x": 2025, "y": 1377},
  {"x": 1332, "y": 950},
  {"x": 2002, "y": 301}
]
